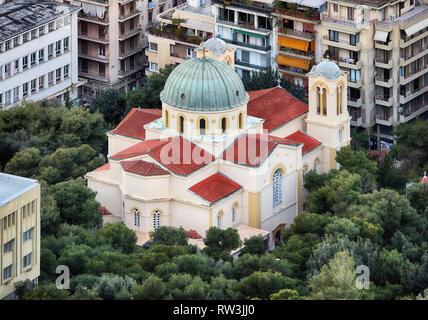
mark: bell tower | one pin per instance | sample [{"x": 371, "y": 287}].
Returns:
[{"x": 328, "y": 119}]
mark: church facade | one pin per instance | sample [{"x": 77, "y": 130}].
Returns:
[{"x": 216, "y": 155}]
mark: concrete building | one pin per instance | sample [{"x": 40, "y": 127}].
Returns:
[
  {"x": 216, "y": 155},
  {"x": 297, "y": 30},
  {"x": 19, "y": 232},
  {"x": 177, "y": 34},
  {"x": 248, "y": 25},
  {"x": 383, "y": 45},
  {"x": 38, "y": 51}
]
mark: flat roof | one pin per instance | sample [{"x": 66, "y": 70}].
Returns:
[
  {"x": 20, "y": 16},
  {"x": 12, "y": 187}
]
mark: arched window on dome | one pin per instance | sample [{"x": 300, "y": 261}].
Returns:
[
  {"x": 339, "y": 100},
  {"x": 166, "y": 119},
  {"x": 156, "y": 219},
  {"x": 181, "y": 124},
  {"x": 223, "y": 125},
  {"x": 202, "y": 127},
  {"x": 136, "y": 213},
  {"x": 324, "y": 102},
  {"x": 318, "y": 96},
  {"x": 277, "y": 187},
  {"x": 240, "y": 121}
]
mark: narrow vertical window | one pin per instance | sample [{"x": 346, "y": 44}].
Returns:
[
  {"x": 223, "y": 125},
  {"x": 277, "y": 187},
  {"x": 166, "y": 119},
  {"x": 318, "y": 94},
  {"x": 156, "y": 219},
  {"x": 136, "y": 217},
  {"x": 202, "y": 126},
  {"x": 240, "y": 121},
  {"x": 181, "y": 124}
]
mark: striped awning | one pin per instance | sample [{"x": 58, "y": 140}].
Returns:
[
  {"x": 293, "y": 43},
  {"x": 293, "y": 62}
]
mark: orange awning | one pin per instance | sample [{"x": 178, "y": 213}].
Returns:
[
  {"x": 293, "y": 43},
  {"x": 293, "y": 62},
  {"x": 312, "y": 45}
]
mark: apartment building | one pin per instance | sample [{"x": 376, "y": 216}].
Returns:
[
  {"x": 178, "y": 33},
  {"x": 38, "y": 51},
  {"x": 249, "y": 26},
  {"x": 297, "y": 30},
  {"x": 383, "y": 45},
  {"x": 19, "y": 232}
]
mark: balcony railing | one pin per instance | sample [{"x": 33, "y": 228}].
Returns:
[
  {"x": 294, "y": 33},
  {"x": 247, "y": 45},
  {"x": 89, "y": 18},
  {"x": 129, "y": 52},
  {"x": 95, "y": 76},
  {"x": 243, "y": 25},
  {"x": 171, "y": 35},
  {"x": 129, "y": 33},
  {"x": 291, "y": 69},
  {"x": 308, "y": 15},
  {"x": 294, "y": 52},
  {"x": 249, "y": 65},
  {"x": 129, "y": 15},
  {"x": 249, "y": 5}
]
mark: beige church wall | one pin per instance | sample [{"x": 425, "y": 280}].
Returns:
[
  {"x": 118, "y": 143},
  {"x": 152, "y": 187},
  {"x": 108, "y": 195},
  {"x": 309, "y": 158},
  {"x": 146, "y": 210},
  {"x": 224, "y": 207},
  {"x": 190, "y": 216},
  {"x": 297, "y": 124}
]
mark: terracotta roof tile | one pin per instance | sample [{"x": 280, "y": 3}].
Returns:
[
  {"x": 276, "y": 105},
  {"x": 133, "y": 124},
  {"x": 215, "y": 187},
  {"x": 193, "y": 234},
  {"x": 309, "y": 143},
  {"x": 143, "y": 168},
  {"x": 139, "y": 149},
  {"x": 103, "y": 168}
]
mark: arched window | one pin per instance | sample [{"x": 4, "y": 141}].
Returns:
[
  {"x": 156, "y": 219},
  {"x": 277, "y": 187},
  {"x": 220, "y": 219},
  {"x": 136, "y": 217},
  {"x": 166, "y": 119},
  {"x": 240, "y": 121},
  {"x": 202, "y": 126},
  {"x": 234, "y": 207},
  {"x": 316, "y": 162},
  {"x": 318, "y": 94},
  {"x": 181, "y": 124},
  {"x": 305, "y": 171},
  {"x": 340, "y": 134},
  {"x": 339, "y": 101},
  {"x": 324, "y": 102},
  {"x": 223, "y": 125}
]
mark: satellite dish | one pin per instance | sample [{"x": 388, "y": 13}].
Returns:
[{"x": 400, "y": 109}]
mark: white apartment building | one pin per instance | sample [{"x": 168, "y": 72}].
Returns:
[{"x": 38, "y": 51}]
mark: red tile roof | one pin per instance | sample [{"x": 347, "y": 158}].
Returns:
[
  {"x": 103, "y": 168},
  {"x": 176, "y": 154},
  {"x": 424, "y": 179},
  {"x": 133, "y": 124},
  {"x": 193, "y": 234},
  {"x": 143, "y": 168},
  {"x": 215, "y": 187},
  {"x": 104, "y": 211},
  {"x": 309, "y": 143},
  {"x": 276, "y": 105}
]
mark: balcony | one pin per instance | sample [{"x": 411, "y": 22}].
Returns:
[
  {"x": 246, "y": 26},
  {"x": 129, "y": 34},
  {"x": 417, "y": 55},
  {"x": 357, "y": 122},
  {"x": 102, "y": 40},
  {"x": 103, "y": 3},
  {"x": 341, "y": 44},
  {"x": 308, "y": 16},
  {"x": 384, "y": 120},
  {"x": 252, "y": 6},
  {"x": 384, "y": 101},
  {"x": 349, "y": 63},
  {"x": 127, "y": 53},
  {"x": 174, "y": 58},
  {"x": 129, "y": 15},
  {"x": 413, "y": 75},
  {"x": 356, "y": 103},
  {"x": 127, "y": 72},
  {"x": 93, "y": 76},
  {"x": 249, "y": 65},
  {"x": 383, "y": 63},
  {"x": 292, "y": 71},
  {"x": 410, "y": 95},
  {"x": 342, "y": 24},
  {"x": 383, "y": 82},
  {"x": 411, "y": 114},
  {"x": 354, "y": 84},
  {"x": 384, "y": 46},
  {"x": 98, "y": 58},
  {"x": 96, "y": 20},
  {"x": 247, "y": 45},
  {"x": 308, "y": 36},
  {"x": 194, "y": 40},
  {"x": 297, "y": 53}
]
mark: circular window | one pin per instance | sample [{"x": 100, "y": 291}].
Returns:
[{"x": 183, "y": 96}]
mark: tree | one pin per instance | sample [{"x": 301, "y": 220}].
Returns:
[
  {"x": 23, "y": 287},
  {"x": 418, "y": 197},
  {"x": 119, "y": 236},
  {"x": 254, "y": 245},
  {"x": 111, "y": 104},
  {"x": 24, "y": 163},
  {"x": 219, "y": 243},
  {"x": 263, "y": 284},
  {"x": 337, "y": 280},
  {"x": 285, "y": 294},
  {"x": 152, "y": 288},
  {"x": 109, "y": 285},
  {"x": 223, "y": 289},
  {"x": 76, "y": 203},
  {"x": 169, "y": 236},
  {"x": 387, "y": 175}
]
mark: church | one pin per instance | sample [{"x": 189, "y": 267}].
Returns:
[{"x": 217, "y": 155}]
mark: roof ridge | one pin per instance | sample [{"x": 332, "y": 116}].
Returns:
[{"x": 267, "y": 92}]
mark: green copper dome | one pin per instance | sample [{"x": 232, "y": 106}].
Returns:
[{"x": 204, "y": 84}]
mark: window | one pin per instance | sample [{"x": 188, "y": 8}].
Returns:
[
  {"x": 33, "y": 34},
  {"x": 354, "y": 39},
  {"x": 50, "y": 51},
  {"x": 51, "y": 27},
  {"x": 153, "y": 67},
  {"x": 220, "y": 219},
  {"x": 240, "y": 121},
  {"x": 24, "y": 62},
  {"x": 26, "y": 261},
  {"x": 7, "y": 272},
  {"x": 58, "y": 47},
  {"x": 7, "y": 97},
  {"x": 33, "y": 58},
  {"x": 25, "y": 37},
  {"x": 234, "y": 207},
  {"x": 223, "y": 125},
  {"x": 166, "y": 119},
  {"x": 153, "y": 46},
  {"x": 59, "y": 24},
  {"x": 340, "y": 134},
  {"x": 335, "y": 7},
  {"x": 16, "y": 66},
  {"x": 316, "y": 162},
  {"x": 355, "y": 75},
  {"x": 33, "y": 89},
  {"x": 41, "y": 55},
  {"x": 156, "y": 219},
  {"x": 350, "y": 13},
  {"x": 15, "y": 94},
  {"x": 181, "y": 124},
  {"x": 8, "y": 246},
  {"x": 333, "y": 35},
  {"x": 51, "y": 78},
  {"x": 136, "y": 217},
  {"x": 190, "y": 52},
  {"x": 15, "y": 42},
  {"x": 41, "y": 31},
  {"x": 41, "y": 82},
  {"x": 7, "y": 45},
  {"x": 102, "y": 52},
  {"x": 58, "y": 75},
  {"x": 27, "y": 235},
  {"x": 6, "y": 70},
  {"x": 66, "y": 43},
  {"x": 202, "y": 127},
  {"x": 25, "y": 89},
  {"x": 277, "y": 188},
  {"x": 66, "y": 71}
]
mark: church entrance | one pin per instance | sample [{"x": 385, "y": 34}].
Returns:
[{"x": 277, "y": 233}]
